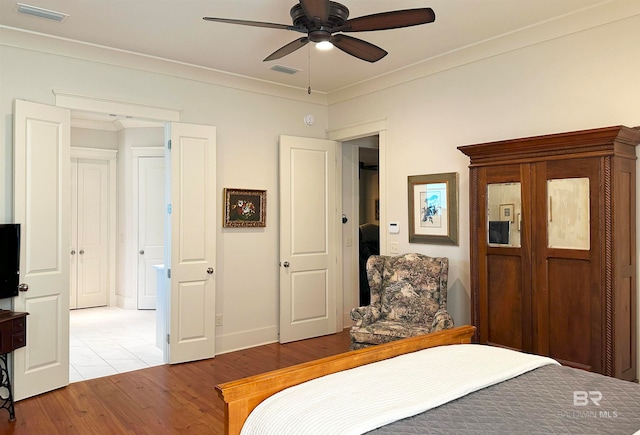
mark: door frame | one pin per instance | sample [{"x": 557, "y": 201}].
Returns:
[
  {"x": 164, "y": 115},
  {"x": 85, "y": 103},
  {"x": 110, "y": 156},
  {"x": 341, "y": 134}
]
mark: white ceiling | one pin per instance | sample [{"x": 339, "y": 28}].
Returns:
[{"x": 174, "y": 29}]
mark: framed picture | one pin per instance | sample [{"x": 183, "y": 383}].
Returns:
[
  {"x": 244, "y": 208},
  {"x": 433, "y": 208},
  {"x": 507, "y": 212}
]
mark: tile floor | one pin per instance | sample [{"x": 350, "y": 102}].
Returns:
[{"x": 106, "y": 341}]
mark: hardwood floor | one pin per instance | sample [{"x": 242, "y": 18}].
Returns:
[{"x": 177, "y": 399}]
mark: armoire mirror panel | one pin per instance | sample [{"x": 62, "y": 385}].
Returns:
[
  {"x": 504, "y": 211},
  {"x": 568, "y": 213}
]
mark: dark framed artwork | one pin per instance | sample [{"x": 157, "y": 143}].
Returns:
[
  {"x": 433, "y": 208},
  {"x": 245, "y": 208},
  {"x": 507, "y": 212}
]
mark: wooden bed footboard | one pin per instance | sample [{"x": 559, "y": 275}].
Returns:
[{"x": 243, "y": 395}]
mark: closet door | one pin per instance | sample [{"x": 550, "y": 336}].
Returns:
[
  {"x": 568, "y": 282},
  {"x": 91, "y": 259},
  {"x": 502, "y": 307},
  {"x": 151, "y": 212},
  {"x": 73, "y": 253}
]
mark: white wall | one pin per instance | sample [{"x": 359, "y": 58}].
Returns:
[
  {"x": 92, "y": 138},
  {"x": 248, "y": 125},
  {"x": 585, "y": 80}
]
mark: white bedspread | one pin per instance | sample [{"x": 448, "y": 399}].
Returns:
[{"x": 362, "y": 399}]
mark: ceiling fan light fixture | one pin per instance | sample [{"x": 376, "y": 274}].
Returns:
[
  {"x": 326, "y": 20},
  {"x": 40, "y": 12},
  {"x": 324, "y": 45}
]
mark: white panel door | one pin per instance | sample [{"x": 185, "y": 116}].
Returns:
[
  {"x": 92, "y": 233},
  {"x": 42, "y": 205},
  {"x": 308, "y": 219},
  {"x": 151, "y": 212},
  {"x": 73, "y": 259},
  {"x": 193, "y": 237}
]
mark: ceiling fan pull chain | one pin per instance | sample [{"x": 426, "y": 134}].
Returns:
[{"x": 309, "y": 69}]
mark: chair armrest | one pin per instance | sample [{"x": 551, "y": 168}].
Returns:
[
  {"x": 442, "y": 320},
  {"x": 365, "y": 315}
]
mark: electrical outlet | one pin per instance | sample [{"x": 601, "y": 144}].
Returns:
[
  {"x": 394, "y": 248},
  {"x": 219, "y": 320}
]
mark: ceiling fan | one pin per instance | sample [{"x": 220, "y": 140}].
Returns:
[{"x": 324, "y": 20}]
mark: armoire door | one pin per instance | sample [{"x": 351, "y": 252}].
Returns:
[
  {"x": 567, "y": 279},
  {"x": 504, "y": 297},
  {"x": 89, "y": 233}
]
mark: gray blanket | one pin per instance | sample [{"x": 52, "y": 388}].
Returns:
[{"x": 548, "y": 400}]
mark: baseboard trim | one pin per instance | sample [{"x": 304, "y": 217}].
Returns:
[{"x": 246, "y": 339}]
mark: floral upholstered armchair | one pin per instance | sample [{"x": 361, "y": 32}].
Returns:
[{"x": 408, "y": 298}]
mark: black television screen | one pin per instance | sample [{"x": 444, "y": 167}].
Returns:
[
  {"x": 499, "y": 232},
  {"x": 9, "y": 259}
]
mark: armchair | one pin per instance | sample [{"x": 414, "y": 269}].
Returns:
[{"x": 408, "y": 298}]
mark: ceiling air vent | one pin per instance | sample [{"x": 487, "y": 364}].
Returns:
[
  {"x": 40, "y": 12},
  {"x": 285, "y": 69}
]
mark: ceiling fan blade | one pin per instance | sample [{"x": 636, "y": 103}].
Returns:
[
  {"x": 316, "y": 10},
  {"x": 388, "y": 20},
  {"x": 357, "y": 47},
  {"x": 287, "y": 49},
  {"x": 253, "y": 23}
]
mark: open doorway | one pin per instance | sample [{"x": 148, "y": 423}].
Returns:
[
  {"x": 191, "y": 183},
  {"x": 361, "y": 196},
  {"x": 369, "y": 212},
  {"x": 115, "y": 330}
]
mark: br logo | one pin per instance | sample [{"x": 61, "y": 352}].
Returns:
[{"x": 582, "y": 398}]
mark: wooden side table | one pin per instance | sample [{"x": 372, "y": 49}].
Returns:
[{"x": 13, "y": 335}]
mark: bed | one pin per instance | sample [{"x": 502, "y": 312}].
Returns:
[{"x": 375, "y": 390}]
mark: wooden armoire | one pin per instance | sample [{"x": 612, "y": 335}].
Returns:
[{"x": 553, "y": 247}]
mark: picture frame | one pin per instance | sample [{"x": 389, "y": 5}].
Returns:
[
  {"x": 507, "y": 212},
  {"x": 433, "y": 208},
  {"x": 244, "y": 208}
]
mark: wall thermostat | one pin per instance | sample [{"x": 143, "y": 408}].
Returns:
[
  {"x": 309, "y": 119},
  {"x": 394, "y": 227}
]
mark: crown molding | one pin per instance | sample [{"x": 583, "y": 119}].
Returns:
[
  {"x": 601, "y": 14},
  {"x": 27, "y": 40}
]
